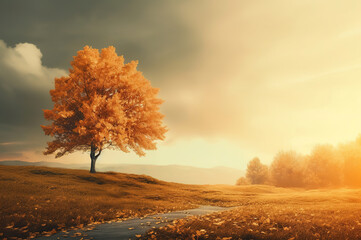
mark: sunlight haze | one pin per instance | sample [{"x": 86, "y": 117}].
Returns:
[{"x": 240, "y": 79}]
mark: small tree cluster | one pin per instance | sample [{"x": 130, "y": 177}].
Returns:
[
  {"x": 326, "y": 166},
  {"x": 242, "y": 181}
]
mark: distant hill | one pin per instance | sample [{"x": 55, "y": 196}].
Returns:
[
  {"x": 46, "y": 164},
  {"x": 170, "y": 173}
]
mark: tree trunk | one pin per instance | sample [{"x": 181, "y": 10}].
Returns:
[
  {"x": 92, "y": 167},
  {"x": 93, "y": 158}
]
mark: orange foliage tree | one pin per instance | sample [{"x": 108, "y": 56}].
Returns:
[
  {"x": 103, "y": 103},
  {"x": 257, "y": 173},
  {"x": 286, "y": 169},
  {"x": 323, "y": 167},
  {"x": 351, "y": 156}
]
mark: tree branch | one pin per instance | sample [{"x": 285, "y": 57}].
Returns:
[{"x": 96, "y": 156}]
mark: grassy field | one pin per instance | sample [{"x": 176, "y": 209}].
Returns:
[{"x": 40, "y": 200}]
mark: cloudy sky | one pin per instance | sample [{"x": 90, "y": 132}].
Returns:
[{"x": 239, "y": 78}]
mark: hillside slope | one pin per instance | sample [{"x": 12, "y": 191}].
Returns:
[
  {"x": 37, "y": 199},
  {"x": 169, "y": 173},
  {"x": 43, "y": 200}
]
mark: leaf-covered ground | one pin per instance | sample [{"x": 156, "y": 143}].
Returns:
[
  {"x": 38, "y": 201},
  {"x": 330, "y": 214}
]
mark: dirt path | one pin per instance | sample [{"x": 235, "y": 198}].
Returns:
[{"x": 130, "y": 228}]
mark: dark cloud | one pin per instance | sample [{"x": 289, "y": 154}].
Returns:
[
  {"x": 149, "y": 31},
  {"x": 24, "y": 92}
]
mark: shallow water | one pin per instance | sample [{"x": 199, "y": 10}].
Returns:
[{"x": 129, "y": 228}]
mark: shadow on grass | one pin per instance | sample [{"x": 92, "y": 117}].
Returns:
[{"x": 44, "y": 172}]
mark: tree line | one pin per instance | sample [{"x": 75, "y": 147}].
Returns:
[{"x": 326, "y": 166}]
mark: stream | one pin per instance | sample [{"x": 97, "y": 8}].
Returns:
[{"x": 129, "y": 228}]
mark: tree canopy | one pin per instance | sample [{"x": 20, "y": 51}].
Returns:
[{"x": 103, "y": 103}]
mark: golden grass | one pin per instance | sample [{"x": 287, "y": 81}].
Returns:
[
  {"x": 38, "y": 200},
  {"x": 316, "y": 214},
  {"x": 41, "y": 200}
]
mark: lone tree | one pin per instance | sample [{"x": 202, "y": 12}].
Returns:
[{"x": 103, "y": 103}]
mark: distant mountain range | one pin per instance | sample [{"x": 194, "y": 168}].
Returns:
[{"x": 170, "y": 173}]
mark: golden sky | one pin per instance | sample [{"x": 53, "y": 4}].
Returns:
[{"x": 240, "y": 79}]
